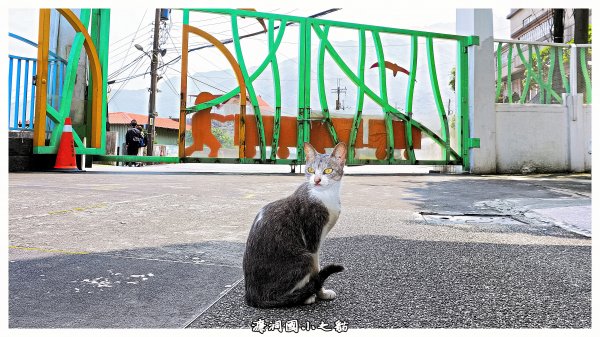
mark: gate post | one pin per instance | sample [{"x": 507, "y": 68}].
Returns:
[{"x": 482, "y": 111}]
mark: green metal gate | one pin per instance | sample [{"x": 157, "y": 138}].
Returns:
[
  {"x": 395, "y": 138},
  {"x": 394, "y": 118}
]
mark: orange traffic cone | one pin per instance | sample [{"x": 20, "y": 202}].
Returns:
[{"x": 65, "y": 157}]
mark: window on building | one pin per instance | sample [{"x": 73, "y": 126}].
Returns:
[{"x": 537, "y": 33}]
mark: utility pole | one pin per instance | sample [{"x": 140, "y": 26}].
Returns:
[
  {"x": 153, "y": 80},
  {"x": 558, "y": 30},
  {"x": 580, "y": 36},
  {"x": 582, "y": 22},
  {"x": 558, "y": 36},
  {"x": 338, "y": 104}
]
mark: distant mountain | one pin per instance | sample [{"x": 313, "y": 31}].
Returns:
[{"x": 396, "y": 51}]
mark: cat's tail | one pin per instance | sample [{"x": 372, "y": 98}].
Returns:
[
  {"x": 299, "y": 296},
  {"x": 327, "y": 271}
]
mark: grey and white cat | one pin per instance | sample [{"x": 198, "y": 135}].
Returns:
[{"x": 281, "y": 262}]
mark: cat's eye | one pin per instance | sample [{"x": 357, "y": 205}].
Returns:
[
  {"x": 310, "y": 170},
  {"x": 328, "y": 170}
]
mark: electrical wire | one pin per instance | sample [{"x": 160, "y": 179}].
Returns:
[
  {"x": 147, "y": 30},
  {"x": 176, "y": 59},
  {"x": 199, "y": 81},
  {"x": 116, "y": 54},
  {"x": 125, "y": 81},
  {"x": 124, "y": 68},
  {"x": 172, "y": 87}
]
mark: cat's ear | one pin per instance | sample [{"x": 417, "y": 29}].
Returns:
[
  {"x": 339, "y": 153},
  {"x": 309, "y": 152}
]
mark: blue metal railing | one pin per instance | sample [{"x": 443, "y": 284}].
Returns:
[{"x": 21, "y": 87}]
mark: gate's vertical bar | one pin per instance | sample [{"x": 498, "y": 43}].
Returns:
[
  {"x": 59, "y": 83},
  {"x": 93, "y": 23},
  {"x": 561, "y": 67},
  {"x": 183, "y": 95},
  {"x": 552, "y": 51},
  {"x": 32, "y": 101},
  {"x": 94, "y": 84},
  {"x": 25, "y": 89},
  {"x": 321, "y": 86},
  {"x": 302, "y": 69},
  {"x": 410, "y": 90},
  {"x": 52, "y": 81},
  {"x": 39, "y": 134},
  {"x": 307, "y": 78},
  {"x": 542, "y": 93},
  {"x": 462, "y": 93},
  {"x": 528, "y": 72},
  {"x": 103, "y": 56},
  {"x": 276, "y": 88},
  {"x": 509, "y": 92},
  {"x": 498, "y": 71},
  {"x": 10, "y": 80},
  {"x": 360, "y": 95},
  {"x": 387, "y": 116},
  {"x": 586, "y": 76},
  {"x": 17, "y": 92}
]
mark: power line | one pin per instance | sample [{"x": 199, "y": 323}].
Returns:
[
  {"x": 195, "y": 79},
  {"x": 172, "y": 87},
  {"x": 176, "y": 59},
  {"x": 126, "y": 36},
  {"x": 140, "y": 42},
  {"x": 124, "y": 82},
  {"x": 115, "y": 47},
  {"x": 123, "y": 69}
]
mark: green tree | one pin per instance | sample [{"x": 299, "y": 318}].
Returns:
[{"x": 223, "y": 136}]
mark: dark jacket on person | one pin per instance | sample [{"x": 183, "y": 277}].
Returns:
[{"x": 132, "y": 139}]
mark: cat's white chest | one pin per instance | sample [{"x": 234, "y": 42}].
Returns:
[{"x": 331, "y": 199}]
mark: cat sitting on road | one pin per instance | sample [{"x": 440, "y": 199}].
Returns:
[{"x": 281, "y": 262}]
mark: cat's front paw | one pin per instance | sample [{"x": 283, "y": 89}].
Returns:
[
  {"x": 326, "y": 294},
  {"x": 311, "y": 299}
]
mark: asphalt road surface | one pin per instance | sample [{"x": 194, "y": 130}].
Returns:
[{"x": 161, "y": 247}]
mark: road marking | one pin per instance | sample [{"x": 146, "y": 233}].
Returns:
[
  {"x": 78, "y": 209},
  {"x": 48, "y": 250}
]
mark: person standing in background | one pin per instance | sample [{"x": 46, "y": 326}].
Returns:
[
  {"x": 133, "y": 138},
  {"x": 143, "y": 142}
]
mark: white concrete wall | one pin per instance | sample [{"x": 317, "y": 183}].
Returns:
[
  {"x": 531, "y": 138},
  {"x": 542, "y": 138}
]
